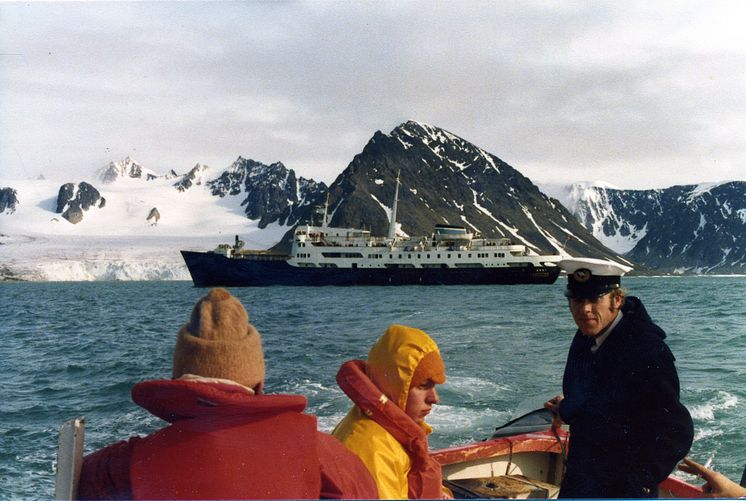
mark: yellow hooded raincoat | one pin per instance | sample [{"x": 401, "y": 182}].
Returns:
[{"x": 391, "y": 364}]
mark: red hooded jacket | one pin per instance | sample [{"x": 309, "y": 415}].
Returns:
[{"x": 224, "y": 443}]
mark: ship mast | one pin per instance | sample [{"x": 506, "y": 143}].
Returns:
[
  {"x": 392, "y": 223},
  {"x": 326, "y": 209}
]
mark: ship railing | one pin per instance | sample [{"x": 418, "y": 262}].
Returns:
[
  {"x": 261, "y": 256},
  {"x": 493, "y": 242}
]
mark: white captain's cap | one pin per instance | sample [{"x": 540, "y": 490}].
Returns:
[{"x": 590, "y": 278}]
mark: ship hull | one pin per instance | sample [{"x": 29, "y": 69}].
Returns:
[{"x": 209, "y": 269}]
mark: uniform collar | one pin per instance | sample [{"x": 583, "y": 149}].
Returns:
[{"x": 598, "y": 340}]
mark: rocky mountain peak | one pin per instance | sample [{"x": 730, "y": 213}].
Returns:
[
  {"x": 73, "y": 200},
  {"x": 127, "y": 168},
  {"x": 445, "y": 179},
  {"x": 270, "y": 193},
  {"x": 197, "y": 175},
  {"x": 8, "y": 200}
]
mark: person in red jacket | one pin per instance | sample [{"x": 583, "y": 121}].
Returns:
[{"x": 225, "y": 438}]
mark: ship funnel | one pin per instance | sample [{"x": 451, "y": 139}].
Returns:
[{"x": 392, "y": 223}]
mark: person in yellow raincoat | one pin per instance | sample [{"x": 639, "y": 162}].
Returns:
[{"x": 393, "y": 392}]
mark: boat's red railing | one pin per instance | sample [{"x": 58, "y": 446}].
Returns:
[{"x": 542, "y": 441}]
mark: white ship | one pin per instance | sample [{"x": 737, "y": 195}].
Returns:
[{"x": 326, "y": 255}]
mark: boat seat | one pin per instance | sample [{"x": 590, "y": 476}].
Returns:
[{"x": 505, "y": 486}]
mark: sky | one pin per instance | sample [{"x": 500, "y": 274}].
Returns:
[{"x": 638, "y": 94}]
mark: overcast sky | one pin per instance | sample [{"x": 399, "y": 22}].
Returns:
[{"x": 638, "y": 94}]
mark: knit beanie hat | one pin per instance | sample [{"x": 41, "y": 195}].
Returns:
[{"x": 219, "y": 342}]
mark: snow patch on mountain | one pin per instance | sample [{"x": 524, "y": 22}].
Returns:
[
  {"x": 571, "y": 194},
  {"x": 703, "y": 188},
  {"x": 553, "y": 241},
  {"x": 590, "y": 202},
  {"x": 483, "y": 210},
  {"x": 385, "y": 207}
]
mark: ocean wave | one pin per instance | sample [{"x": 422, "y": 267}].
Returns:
[
  {"x": 474, "y": 386},
  {"x": 706, "y": 411},
  {"x": 706, "y": 433}
]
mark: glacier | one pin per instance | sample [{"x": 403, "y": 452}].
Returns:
[{"x": 117, "y": 242}]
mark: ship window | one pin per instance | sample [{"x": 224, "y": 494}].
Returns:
[
  {"x": 409, "y": 256},
  {"x": 469, "y": 255},
  {"x": 449, "y": 255},
  {"x": 342, "y": 254},
  {"x": 459, "y": 255},
  {"x": 438, "y": 256},
  {"x": 399, "y": 256},
  {"x": 428, "y": 256},
  {"x": 419, "y": 256}
]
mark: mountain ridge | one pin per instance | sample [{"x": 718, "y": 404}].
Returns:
[
  {"x": 444, "y": 179},
  {"x": 680, "y": 229}
]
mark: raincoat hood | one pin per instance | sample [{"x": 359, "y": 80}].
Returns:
[{"x": 393, "y": 360}]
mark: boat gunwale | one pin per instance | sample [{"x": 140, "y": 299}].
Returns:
[{"x": 542, "y": 442}]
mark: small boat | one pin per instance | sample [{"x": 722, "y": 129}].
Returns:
[
  {"x": 325, "y": 255},
  {"x": 523, "y": 459}
]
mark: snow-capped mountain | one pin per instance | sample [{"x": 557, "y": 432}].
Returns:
[
  {"x": 126, "y": 168},
  {"x": 448, "y": 180},
  {"x": 681, "y": 229},
  {"x": 271, "y": 193},
  {"x": 133, "y": 226}
]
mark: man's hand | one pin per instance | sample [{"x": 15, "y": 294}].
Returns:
[
  {"x": 553, "y": 406},
  {"x": 716, "y": 484}
]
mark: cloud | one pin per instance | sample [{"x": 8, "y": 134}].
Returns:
[{"x": 561, "y": 91}]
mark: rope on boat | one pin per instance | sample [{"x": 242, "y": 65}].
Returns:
[{"x": 563, "y": 447}]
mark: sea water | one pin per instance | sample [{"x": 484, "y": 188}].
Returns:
[{"x": 76, "y": 349}]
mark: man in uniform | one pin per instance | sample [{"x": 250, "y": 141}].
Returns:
[{"x": 628, "y": 429}]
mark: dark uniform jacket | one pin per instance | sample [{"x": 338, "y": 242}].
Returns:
[{"x": 628, "y": 429}]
